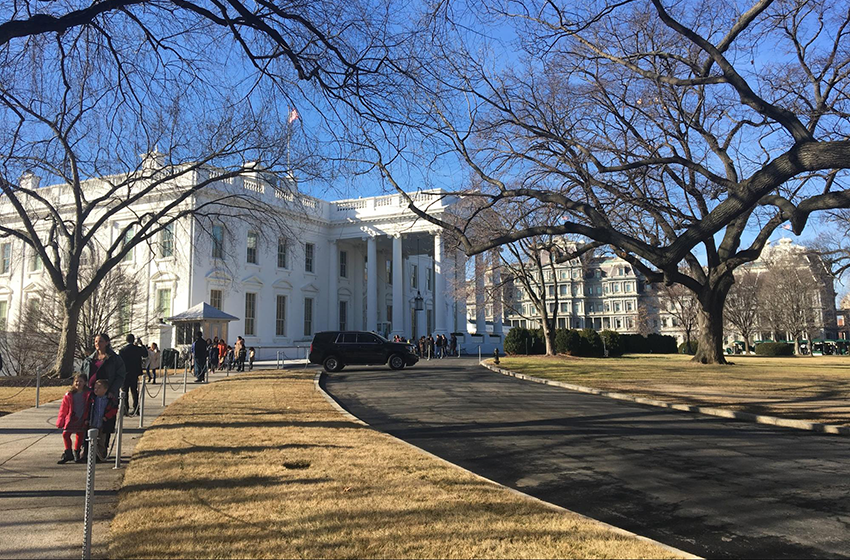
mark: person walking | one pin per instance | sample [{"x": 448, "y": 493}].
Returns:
[
  {"x": 154, "y": 362},
  {"x": 212, "y": 349},
  {"x": 104, "y": 364},
  {"x": 72, "y": 418},
  {"x": 134, "y": 357},
  {"x": 453, "y": 345},
  {"x": 430, "y": 346},
  {"x": 251, "y": 355},
  {"x": 222, "y": 353},
  {"x": 199, "y": 356},
  {"x": 240, "y": 352}
]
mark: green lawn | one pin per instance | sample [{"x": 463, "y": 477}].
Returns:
[{"x": 807, "y": 388}]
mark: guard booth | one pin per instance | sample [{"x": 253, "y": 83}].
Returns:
[{"x": 203, "y": 317}]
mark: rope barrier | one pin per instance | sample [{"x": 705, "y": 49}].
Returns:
[
  {"x": 24, "y": 388},
  {"x": 148, "y": 390}
]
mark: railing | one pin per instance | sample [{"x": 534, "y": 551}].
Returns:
[{"x": 292, "y": 354}]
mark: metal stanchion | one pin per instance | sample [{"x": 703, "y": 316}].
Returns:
[
  {"x": 87, "y": 518},
  {"x": 185, "y": 374},
  {"x": 164, "y": 383},
  {"x": 479, "y": 354},
  {"x": 37, "y": 388},
  {"x": 142, "y": 404},
  {"x": 120, "y": 429}
]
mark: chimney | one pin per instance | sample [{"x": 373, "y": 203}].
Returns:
[{"x": 29, "y": 180}]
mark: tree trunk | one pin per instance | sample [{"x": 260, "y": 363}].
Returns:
[
  {"x": 712, "y": 299},
  {"x": 548, "y": 337},
  {"x": 68, "y": 339}
]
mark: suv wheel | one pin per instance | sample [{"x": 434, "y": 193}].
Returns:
[
  {"x": 396, "y": 361},
  {"x": 331, "y": 363}
]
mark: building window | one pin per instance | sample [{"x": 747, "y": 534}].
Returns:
[
  {"x": 308, "y": 316},
  {"x": 565, "y": 307},
  {"x": 616, "y": 307},
  {"x": 163, "y": 302},
  {"x": 629, "y": 306},
  {"x": 35, "y": 264},
  {"x": 215, "y": 298},
  {"x": 414, "y": 276},
  {"x": 250, "y": 314},
  {"x": 280, "y": 317},
  {"x": 253, "y": 241},
  {"x": 166, "y": 241},
  {"x": 4, "y": 313},
  {"x": 218, "y": 242},
  {"x": 5, "y": 258},
  {"x": 125, "y": 317},
  {"x": 309, "y": 255},
  {"x": 281, "y": 253},
  {"x": 343, "y": 264},
  {"x": 389, "y": 271},
  {"x": 343, "y": 315},
  {"x": 428, "y": 275},
  {"x": 128, "y": 237},
  {"x": 562, "y": 289}
]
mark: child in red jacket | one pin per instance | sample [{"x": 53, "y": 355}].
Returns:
[{"x": 73, "y": 414}]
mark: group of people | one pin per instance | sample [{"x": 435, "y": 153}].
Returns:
[
  {"x": 92, "y": 401},
  {"x": 209, "y": 355},
  {"x": 436, "y": 347}
]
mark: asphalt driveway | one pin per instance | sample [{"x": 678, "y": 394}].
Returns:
[{"x": 706, "y": 485}]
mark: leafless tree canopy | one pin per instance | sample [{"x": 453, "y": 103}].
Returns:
[{"x": 665, "y": 130}]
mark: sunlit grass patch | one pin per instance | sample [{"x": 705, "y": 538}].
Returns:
[
  {"x": 815, "y": 388},
  {"x": 261, "y": 466},
  {"x": 13, "y": 399}
]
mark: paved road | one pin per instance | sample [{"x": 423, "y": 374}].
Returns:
[{"x": 708, "y": 486}]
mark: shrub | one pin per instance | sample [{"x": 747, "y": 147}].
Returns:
[
  {"x": 689, "y": 348},
  {"x": 573, "y": 343},
  {"x": 561, "y": 341},
  {"x": 774, "y": 349},
  {"x": 591, "y": 343},
  {"x": 515, "y": 341},
  {"x": 662, "y": 344},
  {"x": 538, "y": 342},
  {"x": 613, "y": 342}
]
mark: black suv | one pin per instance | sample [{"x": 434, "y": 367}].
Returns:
[{"x": 337, "y": 349}]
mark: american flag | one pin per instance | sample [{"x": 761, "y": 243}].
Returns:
[{"x": 293, "y": 115}]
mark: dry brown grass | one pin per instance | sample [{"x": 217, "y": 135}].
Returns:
[
  {"x": 813, "y": 388},
  {"x": 13, "y": 399},
  {"x": 261, "y": 466}
]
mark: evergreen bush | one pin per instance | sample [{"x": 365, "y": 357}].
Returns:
[
  {"x": 613, "y": 342},
  {"x": 685, "y": 348},
  {"x": 774, "y": 349}
]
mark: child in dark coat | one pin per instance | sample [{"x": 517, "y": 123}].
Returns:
[
  {"x": 73, "y": 414},
  {"x": 102, "y": 412}
]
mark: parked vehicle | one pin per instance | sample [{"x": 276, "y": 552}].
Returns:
[{"x": 336, "y": 349}]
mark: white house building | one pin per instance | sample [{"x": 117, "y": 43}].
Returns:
[{"x": 348, "y": 264}]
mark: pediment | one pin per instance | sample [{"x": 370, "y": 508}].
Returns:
[
  {"x": 282, "y": 285},
  {"x": 252, "y": 280},
  {"x": 310, "y": 287}
]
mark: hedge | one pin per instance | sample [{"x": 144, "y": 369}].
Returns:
[
  {"x": 774, "y": 349},
  {"x": 524, "y": 341},
  {"x": 613, "y": 342},
  {"x": 686, "y": 348},
  {"x": 652, "y": 344}
]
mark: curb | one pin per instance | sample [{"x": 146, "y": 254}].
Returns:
[
  {"x": 707, "y": 410},
  {"x": 338, "y": 407}
]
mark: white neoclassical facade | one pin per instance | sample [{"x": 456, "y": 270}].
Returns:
[{"x": 359, "y": 264}]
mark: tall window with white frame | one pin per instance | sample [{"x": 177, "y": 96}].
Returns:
[
  {"x": 308, "y": 316},
  {"x": 343, "y": 264},
  {"x": 215, "y": 298},
  {"x": 5, "y": 258},
  {"x": 253, "y": 242},
  {"x": 282, "y": 260},
  {"x": 4, "y": 314},
  {"x": 309, "y": 256},
  {"x": 166, "y": 242},
  {"x": 218, "y": 241},
  {"x": 343, "y": 315},
  {"x": 414, "y": 276},
  {"x": 389, "y": 271},
  {"x": 35, "y": 262},
  {"x": 280, "y": 316},
  {"x": 250, "y": 314},
  {"x": 128, "y": 236},
  {"x": 163, "y": 302}
]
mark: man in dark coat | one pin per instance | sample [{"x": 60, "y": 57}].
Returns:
[
  {"x": 133, "y": 357},
  {"x": 200, "y": 353}
]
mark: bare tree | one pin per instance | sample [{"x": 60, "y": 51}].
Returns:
[
  {"x": 789, "y": 300},
  {"x": 202, "y": 90},
  {"x": 28, "y": 347},
  {"x": 742, "y": 305},
  {"x": 682, "y": 305},
  {"x": 656, "y": 129}
]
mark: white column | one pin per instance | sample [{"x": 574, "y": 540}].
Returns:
[
  {"x": 439, "y": 287},
  {"x": 371, "y": 284},
  {"x": 460, "y": 291},
  {"x": 333, "y": 287},
  {"x": 497, "y": 293},
  {"x": 398, "y": 289},
  {"x": 480, "y": 318}
]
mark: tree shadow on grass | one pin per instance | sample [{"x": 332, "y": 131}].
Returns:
[
  {"x": 231, "y": 450},
  {"x": 216, "y": 483},
  {"x": 227, "y": 425}
]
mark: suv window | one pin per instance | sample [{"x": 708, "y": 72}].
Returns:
[
  {"x": 346, "y": 338},
  {"x": 367, "y": 338}
]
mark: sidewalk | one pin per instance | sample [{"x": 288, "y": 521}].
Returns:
[{"x": 42, "y": 502}]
